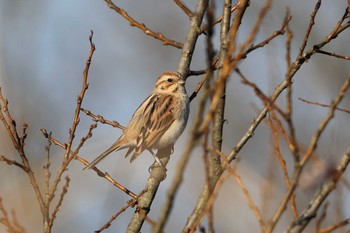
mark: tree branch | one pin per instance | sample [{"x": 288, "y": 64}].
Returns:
[{"x": 142, "y": 27}]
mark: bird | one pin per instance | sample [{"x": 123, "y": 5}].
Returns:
[{"x": 157, "y": 123}]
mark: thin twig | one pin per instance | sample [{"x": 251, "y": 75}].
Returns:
[
  {"x": 281, "y": 160},
  {"x": 60, "y": 201},
  {"x": 99, "y": 118},
  {"x": 311, "y": 148},
  {"x": 322, "y": 217},
  {"x": 251, "y": 203},
  {"x": 308, "y": 31},
  {"x": 130, "y": 203},
  {"x": 204, "y": 28},
  {"x": 7, "y": 120},
  {"x": 293, "y": 146},
  {"x": 187, "y": 11},
  {"x": 104, "y": 175},
  {"x": 259, "y": 93},
  {"x": 203, "y": 80},
  {"x": 279, "y": 32},
  {"x": 18, "y": 142},
  {"x": 211, "y": 196},
  {"x": 142, "y": 27},
  {"x": 67, "y": 159},
  {"x": 327, "y": 187},
  {"x": 333, "y": 54},
  {"x": 323, "y": 105},
  {"x": 229, "y": 64},
  {"x": 340, "y": 224},
  {"x": 12, "y": 162},
  {"x": 12, "y": 226}
]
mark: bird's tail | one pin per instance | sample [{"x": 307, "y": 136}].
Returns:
[{"x": 114, "y": 147}]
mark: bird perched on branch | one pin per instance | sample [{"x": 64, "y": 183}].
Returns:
[{"x": 158, "y": 121}]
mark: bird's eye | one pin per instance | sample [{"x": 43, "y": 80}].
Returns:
[{"x": 170, "y": 80}]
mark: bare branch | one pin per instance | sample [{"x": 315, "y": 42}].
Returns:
[
  {"x": 104, "y": 175},
  {"x": 340, "y": 224},
  {"x": 191, "y": 39},
  {"x": 310, "y": 211},
  {"x": 142, "y": 27},
  {"x": 333, "y": 54},
  {"x": 251, "y": 203},
  {"x": 187, "y": 11},
  {"x": 67, "y": 159},
  {"x": 322, "y": 217},
  {"x": 60, "y": 201},
  {"x": 323, "y": 105},
  {"x": 311, "y": 24},
  {"x": 311, "y": 148},
  {"x": 12, "y": 226},
  {"x": 130, "y": 203},
  {"x": 99, "y": 118},
  {"x": 204, "y": 28},
  {"x": 158, "y": 174},
  {"x": 12, "y": 162}
]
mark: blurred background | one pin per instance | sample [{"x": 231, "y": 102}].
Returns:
[{"x": 43, "y": 49}]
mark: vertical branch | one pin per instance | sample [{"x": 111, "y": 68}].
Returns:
[
  {"x": 215, "y": 167},
  {"x": 47, "y": 175},
  {"x": 191, "y": 39},
  {"x": 209, "y": 161},
  {"x": 219, "y": 114},
  {"x": 227, "y": 66},
  {"x": 158, "y": 174},
  {"x": 80, "y": 99},
  {"x": 214, "y": 162},
  {"x": 311, "y": 24},
  {"x": 67, "y": 158},
  {"x": 19, "y": 143},
  {"x": 293, "y": 145}
]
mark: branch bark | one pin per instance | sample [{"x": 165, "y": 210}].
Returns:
[{"x": 158, "y": 174}]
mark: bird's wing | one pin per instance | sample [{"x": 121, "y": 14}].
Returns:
[{"x": 158, "y": 115}]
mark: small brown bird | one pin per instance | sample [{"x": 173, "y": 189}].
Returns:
[{"x": 158, "y": 121}]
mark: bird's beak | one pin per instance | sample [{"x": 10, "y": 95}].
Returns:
[{"x": 181, "y": 82}]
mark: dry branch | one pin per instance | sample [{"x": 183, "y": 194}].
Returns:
[
  {"x": 12, "y": 225},
  {"x": 142, "y": 27},
  {"x": 187, "y": 11},
  {"x": 104, "y": 175},
  {"x": 311, "y": 210},
  {"x": 340, "y": 224},
  {"x": 333, "y": 54},
  {"x": 158, "y": 174},
  {"x": 101, "y": 119},
  {"x": 310, "y": 150},
  {"x": 251, "y": 203},
  {"x": 323, "y": 105}
]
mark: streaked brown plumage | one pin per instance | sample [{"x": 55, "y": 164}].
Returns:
[{"x": 158, "y": 121}]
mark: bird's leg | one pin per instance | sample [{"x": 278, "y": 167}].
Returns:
[{"x": 157, "y": 162}]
